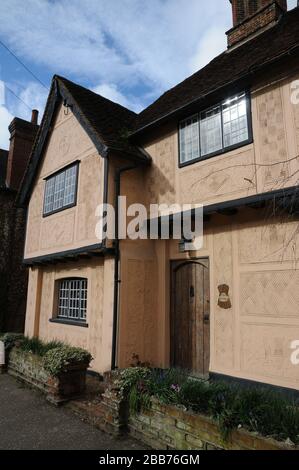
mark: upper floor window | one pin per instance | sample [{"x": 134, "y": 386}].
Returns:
[
  {"x": 215, "y": 130},
  {"x": 72, "y": 299},
  {"x": 61, "y": 190}
]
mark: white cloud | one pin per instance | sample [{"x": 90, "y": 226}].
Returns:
[
  {"x": 124, "y": 42},
  {"x": 128, "y": 50},
  {"x": 110, "y": 91},
  {"x": 210, "y": 45},
  {"x": 5, "y": 120},
  {"x": 34, "y": 95}
]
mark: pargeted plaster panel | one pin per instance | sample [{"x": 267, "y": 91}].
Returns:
[
  {"x": 269, "y": 241},
  {"x": 265, "y": 351},
  {"x": 58, "y": 231},
  {"x": 220, "y": 176},
  {"x": 68, "y": 140},
  {"x": 272, "y": 138},
  {"x": 74, "y": 227},
  {"x": 270, "y": 293},
  {"x": 223, "y": 319},
  {"x": 139, "y": 310},
  {"x": 92, "y": 338}
]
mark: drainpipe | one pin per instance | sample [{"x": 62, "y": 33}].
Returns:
[{"x": 117, "y": 281}]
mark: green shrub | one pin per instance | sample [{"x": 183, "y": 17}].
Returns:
[
  {"x": 166, "y": 384},
  {"x": 57, "y": 359},
  {"x": 56, "y": 355},
  {"x": 9, "y": 339},
  {"x": 37, "y": 346},
  {"x": 132, "y": 383}
]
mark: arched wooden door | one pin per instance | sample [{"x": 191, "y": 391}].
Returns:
[{"x": 190, "y": 316}]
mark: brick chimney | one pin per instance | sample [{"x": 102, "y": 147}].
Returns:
[
  {"x": 22, "y": 135},
  {"x": 251, "y": 17},
  {"x": 3, "y": 166}
]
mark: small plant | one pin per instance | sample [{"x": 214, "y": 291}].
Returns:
[
  {"x": 36, "y": 346},
  {"x": 133, "y": 385},
  {"x": 57, "y": 359},
  {"x": 138, "y": 363},
  {"x": 140, "y": 384}
]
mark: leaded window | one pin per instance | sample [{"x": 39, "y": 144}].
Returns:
[
  {"x": 189, "y": 139},
  {"x": 210, "y": 131},
  {"x": 61, "y": 190},
  {"x": 72, "y": 299},
  {"x": 215, "y": 130}
]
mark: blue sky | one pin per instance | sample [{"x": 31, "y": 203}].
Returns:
[{"x": 130, "y": 51}]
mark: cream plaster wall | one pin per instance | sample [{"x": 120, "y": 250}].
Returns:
[
  {"x": 74, "y": 227},
  {"x": 97, "y": 337},
  {"x": 271, "y": 162},
  {"x": 254, "y": 253},
  {"x": 252, "y": 340}
]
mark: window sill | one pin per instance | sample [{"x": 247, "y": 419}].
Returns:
[
  {"x": 216, "y": 154},
  {"x": 69, "y": 322},
  {"x": 69, "y": 206}
]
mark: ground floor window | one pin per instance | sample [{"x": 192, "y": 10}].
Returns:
[{"x": 72, "y": 299}]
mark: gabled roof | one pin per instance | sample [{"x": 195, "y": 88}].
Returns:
[
  {"x": 3, "y": 166},
  {"x": 108, "y": 124},
  {"x": 227, "y": 68},
  {"x": 110, "y": 121}
]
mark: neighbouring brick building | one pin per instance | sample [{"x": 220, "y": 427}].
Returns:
[{"x": 13, "y": 275}]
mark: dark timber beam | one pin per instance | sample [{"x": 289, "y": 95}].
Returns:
[{"x": 228, "y": 212}]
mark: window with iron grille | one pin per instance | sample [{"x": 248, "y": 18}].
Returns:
[
  {"x": 61, "y": 190},
  {"x": 215, "y": 130},
  {"x": 72, "y": 299}
]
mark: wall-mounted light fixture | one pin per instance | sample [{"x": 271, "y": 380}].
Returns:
[{"x": 183, "y": 245}]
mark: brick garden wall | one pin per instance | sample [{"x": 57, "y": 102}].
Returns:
[
  {"x": 28, "y": 368},
  {"x": 13, "y": 276},
  {"x": 167, "y": 427}
]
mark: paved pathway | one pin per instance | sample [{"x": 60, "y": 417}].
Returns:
[{"x": 27, "y": 421}]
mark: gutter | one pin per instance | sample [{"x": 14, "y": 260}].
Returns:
[
  {"x": 117, "y": 180},
  {"x": 248, "y": 201}
]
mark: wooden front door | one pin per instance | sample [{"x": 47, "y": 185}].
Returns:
[{"x": 190, "y": 316}]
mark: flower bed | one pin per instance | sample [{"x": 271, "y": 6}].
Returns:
[
  {"x": 167, "y": 427},
  {"x": 54, "y": 368},
  {"x": 171, "y": 411}
]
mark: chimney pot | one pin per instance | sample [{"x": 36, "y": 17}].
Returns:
[{"x": 34, "y": 116}]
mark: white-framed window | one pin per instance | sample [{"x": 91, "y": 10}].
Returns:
[
  {"x": 215, "y": 130},
  {"x": 72, "y": 299},
  {"x": 60, "y": 191}
]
